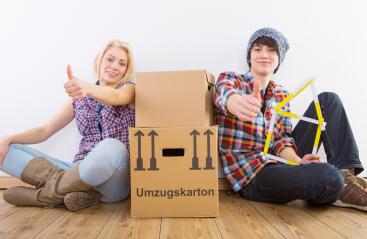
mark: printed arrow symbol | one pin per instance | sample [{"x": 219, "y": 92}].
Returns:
[
  {"x": 153, "y": 160},
  {"x": 195, "y": 160},
  {"x": 139, "y": 160},
  {"x": 209, "y": 161}
]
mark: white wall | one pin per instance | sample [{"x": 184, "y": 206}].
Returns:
[{"x": 39, "y": 38}]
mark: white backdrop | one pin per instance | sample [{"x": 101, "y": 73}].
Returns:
[{"x": 39, "y": 38}]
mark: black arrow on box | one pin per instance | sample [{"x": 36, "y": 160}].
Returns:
[
  {"x": 209, "y": 161},
  {"x": 139, "y": 160},
  {"x": 195, "y": 160},
  {"x": 153, "y": 160}
]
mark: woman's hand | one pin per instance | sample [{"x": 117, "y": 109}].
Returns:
[
  {"x": 74, "y": 87},
  {"x": 310, "y": 158},
  {"x": 4, "y": 147}
]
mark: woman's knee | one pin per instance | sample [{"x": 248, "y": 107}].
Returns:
[
  {"x": 116, "y": 197},
  {"x": 116, "y": 153}
]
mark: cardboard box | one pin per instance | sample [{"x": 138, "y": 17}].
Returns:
[
  {"x": 174, "y": 172},
  {"x": 174, "y": 99}
]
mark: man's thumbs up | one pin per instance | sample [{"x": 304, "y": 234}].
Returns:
[
  {"x": 70, "y": 72},
  {"x": 256, "y": 90}
]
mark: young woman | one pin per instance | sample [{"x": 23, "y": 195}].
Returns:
[
  {"x": 244, "y": 103},
  {"x": 103, "y": 113}
]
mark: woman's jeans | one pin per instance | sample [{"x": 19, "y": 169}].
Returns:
[
  {"x": 106, "y": 167},
  {"x": 315, "y": 182}
]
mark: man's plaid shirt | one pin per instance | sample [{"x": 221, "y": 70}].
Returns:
[{"x": 241, "y": 143}]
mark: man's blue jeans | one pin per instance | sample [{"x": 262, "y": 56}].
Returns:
[{"x": 318, "y": 183}]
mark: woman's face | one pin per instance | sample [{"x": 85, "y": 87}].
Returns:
[
  {"x": 264, "y": 59},
  {"x": 113, "y": 65}
]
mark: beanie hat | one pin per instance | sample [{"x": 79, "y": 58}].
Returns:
[{"x": 278, "y": 37}]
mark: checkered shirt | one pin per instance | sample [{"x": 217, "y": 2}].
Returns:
[
  {"x": 241, "y": 143},
  {"x": 96, "y": 122}
]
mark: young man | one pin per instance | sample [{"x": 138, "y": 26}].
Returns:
[{"x": 244, "y": 103}]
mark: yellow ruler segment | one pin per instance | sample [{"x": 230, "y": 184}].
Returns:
[
  {"x": 267, "y": 142},
  {"x": 288, "y": 114}
]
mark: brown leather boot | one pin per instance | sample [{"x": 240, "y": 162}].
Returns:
[
  {"x": 354, "y": 195},
  {"x": 77, "y": 201},
  {"x": 81, "y": 195},
  {"x": 38, "y": 171},
  {"x": 34, "y": 197},
  {"x": 53, "y": 187},
  {"x": 23, "y": 196},
  {"x": 349, "y": 176}
]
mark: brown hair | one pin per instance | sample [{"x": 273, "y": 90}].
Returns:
[{"x": 267, "y": 41}]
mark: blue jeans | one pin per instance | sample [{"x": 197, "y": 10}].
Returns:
[
  {"x": 319, "y": 183},
  {"x": 106, "y": 167}
]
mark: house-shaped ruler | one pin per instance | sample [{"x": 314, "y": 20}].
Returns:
[{"x": 277, "y": 110}]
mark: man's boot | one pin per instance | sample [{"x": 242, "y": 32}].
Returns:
[
  {"x": 349, "y": 175},
  {"x": 354, "y": 195}
]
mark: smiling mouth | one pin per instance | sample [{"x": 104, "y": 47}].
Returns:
[{"x": 111, "y": 74}]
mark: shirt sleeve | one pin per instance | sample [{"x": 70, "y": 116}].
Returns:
[
  {"x": 228, "y": 83},
  {"x": 282, "y": 134},
  {"x": 128, "y": 82}
]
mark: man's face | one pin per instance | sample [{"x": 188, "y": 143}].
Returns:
[{"x": 264, "y": 59}]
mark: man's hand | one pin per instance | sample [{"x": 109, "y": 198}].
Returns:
[
  {"x": 310, "y": 158},
  {"x": 246, "y": 107}
]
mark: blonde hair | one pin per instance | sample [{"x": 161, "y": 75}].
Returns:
[{"x": 130, "y": 67}]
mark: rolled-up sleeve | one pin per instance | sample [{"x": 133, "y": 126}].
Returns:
[
  {"x": 228, "y": 83},
  {"x": 282, "y": 136}
]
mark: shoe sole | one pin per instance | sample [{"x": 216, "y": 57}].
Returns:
[
  {"x": 339, "y": 203},
  {"x": 77, "y": 201}
]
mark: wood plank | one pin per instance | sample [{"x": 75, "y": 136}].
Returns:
[
  {"x": 6, "y": 209},
  {"x": 27, "y": 222},
  {"x": 2, "y": 201},
  {"x": 86, "y": 223},
  {"x": 189, "y": 228},
  {"x": 7, "y": 182},
  {"x": 293, "y": 222},
  {"x": 121, "y": 225},
  {"x": 238, "y": 219},
  {"x": 348, "y": 222}
]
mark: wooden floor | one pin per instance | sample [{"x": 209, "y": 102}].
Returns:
[{"x": 238, "y": 218}]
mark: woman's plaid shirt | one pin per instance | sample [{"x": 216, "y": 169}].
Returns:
[
  {"x": 96, "y": 122},
  {"x": 241, "y": 143}
]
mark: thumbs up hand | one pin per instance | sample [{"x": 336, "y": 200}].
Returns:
[
  {"x": 74, "y": 87},
  {"x": 69, "y": 72},
  {"x": 256, "y": 90},
  {"x": 245, "y": 107}
]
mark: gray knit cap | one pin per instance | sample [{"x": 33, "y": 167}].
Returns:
[{"x": 278, "y": 37}]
